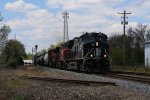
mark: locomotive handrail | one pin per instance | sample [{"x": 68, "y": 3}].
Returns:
[{"x": 87, "y": 54}]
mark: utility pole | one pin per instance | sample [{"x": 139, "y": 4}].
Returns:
[
  {"x": 124, "y": 22},
  {"x": 65, "y": 16}
]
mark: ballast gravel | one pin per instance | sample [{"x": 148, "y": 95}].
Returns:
[
  {"x": 42, "y": 90},
  {"x": 59, "y": 91},
  {"x": 126, "y": 90}
]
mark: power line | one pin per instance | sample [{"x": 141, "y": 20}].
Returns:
[{"x": 124, "y": 22}]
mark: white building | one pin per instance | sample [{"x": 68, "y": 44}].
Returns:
[
  {"x": 147, "y": 53},
  {"x": 27, "y": 61}
]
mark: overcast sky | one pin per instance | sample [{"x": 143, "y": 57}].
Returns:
[{"x": 40, "y": 21}]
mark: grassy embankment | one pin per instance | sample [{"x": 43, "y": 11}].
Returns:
[
  {"x": 138, "y": 69},
  {"x": 14, "y": 88}
]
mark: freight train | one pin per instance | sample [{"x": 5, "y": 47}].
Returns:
[{"x": 88, "y": 52}]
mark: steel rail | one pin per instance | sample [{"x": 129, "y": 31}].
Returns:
[
  {"x": 88, "y": 83},
  {"x": 139, "y": 79},
  {"x": 131, "y": 73}
]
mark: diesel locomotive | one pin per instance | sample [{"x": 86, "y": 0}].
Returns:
[{"x": 88, "y": 52}]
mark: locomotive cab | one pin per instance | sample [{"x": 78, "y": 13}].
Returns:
[{"x": 95, "y": 51}]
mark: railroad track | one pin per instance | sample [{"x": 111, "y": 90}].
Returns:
[
  {"x": 88, "y": 83},
  {"x": 131, "y": 73},
  {"x": 130, "y": 77}
]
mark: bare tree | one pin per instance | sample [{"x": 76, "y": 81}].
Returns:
[
  {"x": 134, "y": 41},
  {"x": 138, "y": 37}
]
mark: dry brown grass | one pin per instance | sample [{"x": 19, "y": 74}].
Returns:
[
  {"x": 9, "y": 82},
  {"x": 3, "y": 96}
]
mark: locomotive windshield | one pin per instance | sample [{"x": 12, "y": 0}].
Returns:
[{"x": 93, "y": 38}]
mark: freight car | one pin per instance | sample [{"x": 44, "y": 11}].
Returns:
[{"x": 88, "y": 52}]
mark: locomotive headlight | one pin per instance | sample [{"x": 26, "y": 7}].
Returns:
[
  {"x": 97, "y": 44},
  {"x": 91, "y": 56},
  {"x": 105, "y": 56}
]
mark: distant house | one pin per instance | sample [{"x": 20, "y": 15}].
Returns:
[{"x": 147, "y": 53}]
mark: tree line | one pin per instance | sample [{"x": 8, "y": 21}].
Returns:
[{"x": 134, "y": 46}]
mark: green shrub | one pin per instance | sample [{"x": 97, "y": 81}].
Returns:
[{"x": 12, "y": 63}]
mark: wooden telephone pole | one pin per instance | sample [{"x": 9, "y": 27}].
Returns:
[{"x": 124, "y": 22}]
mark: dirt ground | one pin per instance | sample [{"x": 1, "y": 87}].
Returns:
[{"x": 14, "y": 88}]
